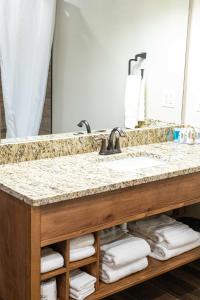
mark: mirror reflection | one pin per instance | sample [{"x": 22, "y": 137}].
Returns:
[{"x": 114, "y": 63}]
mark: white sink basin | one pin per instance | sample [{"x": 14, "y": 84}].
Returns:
[{"x": 131, "y": 164}]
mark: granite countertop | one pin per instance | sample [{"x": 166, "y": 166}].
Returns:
[{"x": 52, "y": 180}]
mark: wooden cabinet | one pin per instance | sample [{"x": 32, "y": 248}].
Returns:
[{"x": 24, "y": 230}]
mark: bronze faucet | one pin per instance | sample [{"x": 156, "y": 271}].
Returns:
[
  {"x": 87, "y": 125},
  {"x": 113, "y": 145}
]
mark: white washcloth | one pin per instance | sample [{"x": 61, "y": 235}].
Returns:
[
  {"x": 51, "y": 260},
  {"x": 48, "y": 290},
  {"x": 161, "y": 253},
  {"x": 80, "y": 280},
  {"x": 132, "y": 99},
  {"x": 82, "y": 294},
  {"x": 109, "y": 275},
  {"x": 82, "y": 241},
  {"x": 124, "y": 251},
  {"x": 78, "y": 254}
]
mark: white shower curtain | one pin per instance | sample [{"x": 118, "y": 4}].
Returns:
[{"x": 26, "y": 34}]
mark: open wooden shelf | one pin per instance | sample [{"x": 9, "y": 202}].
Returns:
[
  {"x": 82, "y": 263},
  {"x": 53, "y": 274},
  {"x": 154, "y": 269}
]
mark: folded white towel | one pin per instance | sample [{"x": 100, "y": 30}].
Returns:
[
  {"x": 109, "y": 275},
  {"x": 78, "y": 254},
  {"x": 124, "y": 251},
  {"x": 48, "y": 290},
  {"x": 51, "y": 260},
  {"x": 82, "y": 294},
  {"x": 148, "y": 226},
  {"x": 82, "y": 241},
  {"x": 80, "y": 280},
  {"x": 171, "y": 236},
  {"x": 179, "y": 237},
  {"x": 161, "y": 253}
]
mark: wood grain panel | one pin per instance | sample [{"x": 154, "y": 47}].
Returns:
[
  {"x": 76, "y": 217},
  {"x": 19, "y": 250}
]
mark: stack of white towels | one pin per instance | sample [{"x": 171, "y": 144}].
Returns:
[
  {"x": 48, "y": 290},
  {"x": 82, "y": 247},
  {"x": 123, "y": 256},
  {"x": 166, "y": 237},
  {"x": 51, "y": 260},
  {"x": 81, "y": 284}
]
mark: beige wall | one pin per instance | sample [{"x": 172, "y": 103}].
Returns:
[{"x": 46, "y": 119}]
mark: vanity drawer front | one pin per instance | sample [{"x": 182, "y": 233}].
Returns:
[{"x": 75, "y": 217}]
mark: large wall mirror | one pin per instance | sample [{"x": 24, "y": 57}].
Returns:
[
  {"x": 94, "y": 40},
  {"x": 93, "y": 43}
]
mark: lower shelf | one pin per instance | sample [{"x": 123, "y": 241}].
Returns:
[
  {"x": 154, "y": 269},
  {"x": 53, "y": 274}
]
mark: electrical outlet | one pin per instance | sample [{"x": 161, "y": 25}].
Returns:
[{"x": 169, "y": 100}]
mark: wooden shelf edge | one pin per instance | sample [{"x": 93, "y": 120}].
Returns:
[
  {"x": 52, "y": 274},
  {"x": 155, "y": 268},
  {"x": 82, "y": 263}
]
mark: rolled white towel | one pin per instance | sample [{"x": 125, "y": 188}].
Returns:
[
  {"x": 82, "y": 241},
  {"x": 48, "y": 290},
  {"x": 159, "y": 252},
  {"x": 50, "y": 260},
  {"x": 81, "y": 253},
  {"x": 82, "y": 294},
  {"x": 80, "y": 280},
  {"x": 125, "y": 251},
  {"x": 109, "y": 275}
]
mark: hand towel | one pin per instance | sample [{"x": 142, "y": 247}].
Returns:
[
  {"x": 141, "y": 108},
  {"x": 132, "y": 98},
  {"x": 80, "y": 280},
  {"x": 109, "y": 275},
  {"x": 161, "y": 253},
  {"x": 48, "y": 290},
  {"x": 124, "y": 251},
  {"x": 51, "y": 260},
  {"x": 82, "y": 242},
  {"x": 81, "y": 295},
  {"x": 78, "y": 254}
]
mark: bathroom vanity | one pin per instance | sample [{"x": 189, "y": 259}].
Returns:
[{"x": 49, "y": 201}]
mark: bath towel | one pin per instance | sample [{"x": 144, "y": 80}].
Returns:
[
  {"x": 82, "y": 242},
  {"x": 161, "y": 253},
  {"x": 148, "y": 226},
  {"x": 171, "y": 236},
  {"x": 109, "y": 275},
  {"x": 124, "y": 251},
  {"x": 80, "y": 280},
  {"x": 81, "y": 253},
  {"x": 51, "y": 260}
]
